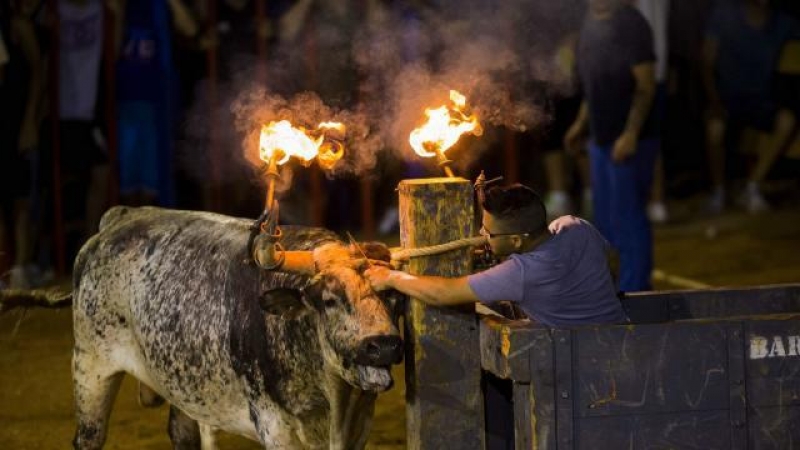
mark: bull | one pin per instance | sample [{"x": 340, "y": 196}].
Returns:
[{"x": 288, "y": 359}]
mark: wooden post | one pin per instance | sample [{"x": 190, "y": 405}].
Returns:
[
  {"x": 444, "y": 405},
  {"x": 110, "y": 104},
  {"x": 214, "y": 155},
  {"x": 55, "y": 129}
]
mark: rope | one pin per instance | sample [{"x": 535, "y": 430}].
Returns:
[{"x": 405, "y": 254}]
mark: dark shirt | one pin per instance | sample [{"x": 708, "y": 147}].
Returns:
[
  {"x": 747, "y": 56},
  {"x": 563, "y": 282},
  {"x": 607, "y": 52}
]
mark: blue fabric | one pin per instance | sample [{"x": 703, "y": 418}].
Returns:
[
  {"x": 563, "y": 282},
  {"x": 620, "y": 192},
  {"x": 138, "y": 148},
  {"x": 144, "y": 69}
]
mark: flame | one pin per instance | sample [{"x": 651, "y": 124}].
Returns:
[
  {"x": 281, "y": 140},
  {"x": 444, "y": 127}
]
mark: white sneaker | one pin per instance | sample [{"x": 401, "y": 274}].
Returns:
[
  {"x": 752, "y": 200},
  {"x": 657, "y": 212},
  {"x": 558, "y": 204}
]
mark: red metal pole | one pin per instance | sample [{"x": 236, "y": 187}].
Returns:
[
  {"x": 110, "y": 74},
  {"x": 58, "y": 217},
  {"x": 213, "y": 132}
]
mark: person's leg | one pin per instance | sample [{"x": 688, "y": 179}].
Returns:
[
  {"x": 630, "y": 189},
  {"x": 558, "y": 202},
  {"x": 773, "y": 144},
  {"x": 600, "y": 165},
  {"x": 657, "y": 209},
  {"x": 715, "y": 146}
]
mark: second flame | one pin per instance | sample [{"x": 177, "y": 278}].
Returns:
[{"x": 281, "y": 140}]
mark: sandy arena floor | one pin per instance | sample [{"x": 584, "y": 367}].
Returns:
[{"x": 36, "y": 409}]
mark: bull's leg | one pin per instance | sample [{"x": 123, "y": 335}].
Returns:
[
  {"x": 208, "y": 435},
  {"x": 96, "y": 386},
  {"x": 184, "y": 432}
]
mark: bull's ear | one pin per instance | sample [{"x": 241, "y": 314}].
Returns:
[
  {"x": 377, "y": 251},
  {"x": 283, "y": 302}
]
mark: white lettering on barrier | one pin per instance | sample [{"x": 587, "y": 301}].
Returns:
[{"x": 763, "y": 347}]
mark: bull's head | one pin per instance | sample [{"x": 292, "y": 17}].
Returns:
[{"x": 357, "y": 325}]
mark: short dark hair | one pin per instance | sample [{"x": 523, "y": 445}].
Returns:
[{"x": 519, "y": 206}]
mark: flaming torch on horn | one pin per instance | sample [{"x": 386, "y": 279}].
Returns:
[
  {"x": 278, "y": 143},
  {"x": 445, "y": 126}
]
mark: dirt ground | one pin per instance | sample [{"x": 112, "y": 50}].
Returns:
[{"x": 36, "y": 409}]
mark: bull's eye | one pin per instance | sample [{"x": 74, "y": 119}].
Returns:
[{"x": 330, "y": 303}]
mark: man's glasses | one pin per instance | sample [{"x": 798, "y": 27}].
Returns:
[{"x": 484, "y": 232}]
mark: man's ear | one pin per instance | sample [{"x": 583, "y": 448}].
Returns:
[{"x": 284, "y": 302}]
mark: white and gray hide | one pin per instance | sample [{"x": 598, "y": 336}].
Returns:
[{"x": 288, "y": 360}]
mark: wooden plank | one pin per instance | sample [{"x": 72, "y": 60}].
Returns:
[
  {"x": 773, "y": 363},
  {"x": 444, "y": 407},
  {"x": 773, "y": 427},
  {"x": 523, "y": 417},
  {"x": 707, "y": 430},
  {"x": 736, "y": 382},
  {"x": 564, "y": 389},
  {"x": 505, "y": 347},
  {"x": 543, "y": 391},
  {"x": 656, "y": 368},
  {"x": 712, "y": 303}
]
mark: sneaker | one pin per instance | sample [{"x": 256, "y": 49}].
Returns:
[
  {"x": 657, "y": 212},
  {"x": 752, "y": 200},
  {"x": 716, "y": 201},
  {"x": 558, "y": 204}
]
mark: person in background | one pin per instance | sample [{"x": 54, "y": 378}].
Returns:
[
  {"x": 3, "y": 57},
  {"x": 616, "y": 65},
  {"x": 657, "y": 14},
  {"x": 145, "y": 97},
  {"x": 83, "y": 153},
  {"x": 20, "y": 117},
  {"x": 743, "y": 42}
]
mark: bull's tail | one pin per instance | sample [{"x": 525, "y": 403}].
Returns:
[{"x": 43, "y": 298}]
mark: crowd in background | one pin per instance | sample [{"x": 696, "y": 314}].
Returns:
[{"x": 78, "y": 77}]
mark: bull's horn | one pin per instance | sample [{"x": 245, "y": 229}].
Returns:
[{"x": 269, "y": 255}]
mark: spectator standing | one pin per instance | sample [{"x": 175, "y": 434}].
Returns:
[
  {"x": 20, "y": 117},
  {"x": 83, "y": 152},
  {"x": 146, "y": 86},
  {"x": 656, "y": 12},
  {"x": 616, "y": 65},
  {"x": 744, "y": 39}
]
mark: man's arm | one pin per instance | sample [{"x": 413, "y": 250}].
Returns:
[
  {"x": 437, "y": 291},
  {"x": 644, "y": 92},
  {"x": 577, "y": 131}
]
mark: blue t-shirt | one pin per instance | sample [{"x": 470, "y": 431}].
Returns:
[{"x": 563, "y": 282}]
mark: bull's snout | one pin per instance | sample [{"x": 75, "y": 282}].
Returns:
[{"x": 380, "y": 351}]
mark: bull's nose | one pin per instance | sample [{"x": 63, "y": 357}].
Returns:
[{"x": 380, "y": 351}]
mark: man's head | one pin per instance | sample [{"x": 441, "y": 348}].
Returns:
[{"x": 513, "y": 218}]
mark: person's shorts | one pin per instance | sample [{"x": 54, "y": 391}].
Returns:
[{"x": 751, "y": 112}]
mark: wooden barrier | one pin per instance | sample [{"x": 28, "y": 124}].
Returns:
[
  {"x": 694, "y": 369},
  {"x": 444, "y": 406}
]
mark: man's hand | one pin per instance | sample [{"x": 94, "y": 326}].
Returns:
[
  {"x": 378, "y": 277},
  {"x": 625, "y": 146},
  {"x": 574, "y": 140},
  {"x": 562, "y": 223}
]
